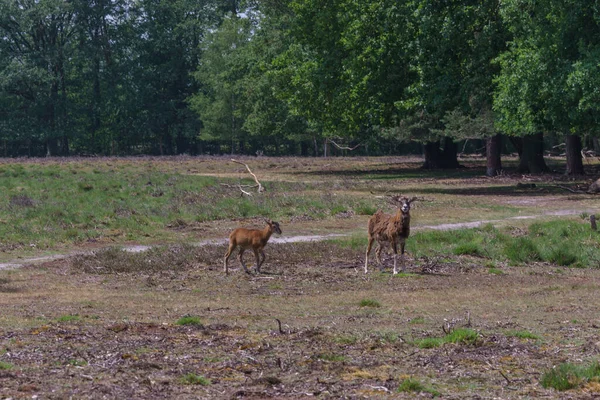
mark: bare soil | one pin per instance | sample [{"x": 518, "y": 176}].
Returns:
[
  {"x": 104, "y": 325},
  {"x": 74, "y": 328}
]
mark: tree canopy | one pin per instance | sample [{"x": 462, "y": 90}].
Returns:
[{"x": 289, "y": 76}]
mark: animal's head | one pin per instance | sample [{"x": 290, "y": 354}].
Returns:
[
  {"x": 403, "y": 203},
  {"x": 274, "y": 226}
]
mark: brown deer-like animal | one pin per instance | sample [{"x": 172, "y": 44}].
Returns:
[
  {"x": 254, "y": 239},
  {"x": 392, "y": 229}
]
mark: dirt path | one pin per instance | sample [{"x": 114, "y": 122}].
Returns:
[{"x": 304, "y": 238}]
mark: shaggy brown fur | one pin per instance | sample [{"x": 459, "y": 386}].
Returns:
[
  {"x": 392, "y": 229},
  {"x": 254, "y": 239}
]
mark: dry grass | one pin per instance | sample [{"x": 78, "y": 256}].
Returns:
[
  {"x": 127, "y": 320},
  {"x": 112, "y": 323}
]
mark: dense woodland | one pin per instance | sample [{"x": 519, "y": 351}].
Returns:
[{"x": 301, "y": 77}]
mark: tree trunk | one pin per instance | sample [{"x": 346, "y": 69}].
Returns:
[
  {"x": 532, "y": 155},
  {"x": 596, "y": 143},
  {"x": 574, "y": 159},
  {"x": 432, "y": 154},
  {"x": 493, "y": 146},
  {"x": 450, "y": 154}
]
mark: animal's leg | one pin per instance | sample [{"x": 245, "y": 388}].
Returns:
[
  {"x": 242, "y": 260},
  {"x": 257, "y": 260},
  {"x": 402, "y": 256},
  {"x": 395, "y": 250},
  {"x": 367, "y": 255},
  {"x": 262, "y": 253},
  {"x": 227, "y": 255},
  {"x": 378, "y": 255}
]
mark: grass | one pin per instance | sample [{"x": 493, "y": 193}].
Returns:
[
  {"x": 193, "y": 379},
  {"x": 522, "y": 334},
  {"x": 5, "y": 366},
  {"x": 570, "y": 376},
  {"x": 411, "y": 385},
  {"x": 568, "y": 243},
  {"x": 68, "y": 318},
  {"x": 189, "y": 320},
  {"x": 44, "y": 205},
  {"x": 460, "y": 336},
  {"x": 369, "y": 303}
]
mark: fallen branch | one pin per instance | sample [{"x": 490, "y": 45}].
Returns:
[
  {"x": 344, "y": 147},
  {"x": 244, "y": 192},
  {"x": 570, "y": 190},
  {"x": 260, "y": 186}
]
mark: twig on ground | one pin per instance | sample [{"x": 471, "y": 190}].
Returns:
[{"x": 260, "y": 186}]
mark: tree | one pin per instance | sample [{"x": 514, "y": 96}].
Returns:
[
  {"x": 539, "y": 89},
  {"x": 37, "y": 41},
  {"x": 455, "y": 45}
]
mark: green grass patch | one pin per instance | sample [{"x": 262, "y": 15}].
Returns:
[
  {"x": 411, "y": 385},
  {"x": 369, "y": 303},
  {"x": 331, "y": 357},
  {"x": 570, "y": 376},
  {"x": 193, "y": 379},
  {"x": 45, "y": 205},
  {"x": 189, "y": 320},
  {"x": 468, "y": 248},
  {"x": 5, "y": 365},
  {"x": 459, "y": 336},
  {"x": 562, "y": 242},
  {"x": 523, "y": 335},
  {"x": 495, "y": 271},
  {"x": 68, "y": 318}
]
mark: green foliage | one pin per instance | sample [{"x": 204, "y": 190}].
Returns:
[
  {"x": 369, "y": 303},
  {"x": 469, "y": 248},
  {"x": 193, "y": 379},
  {"x": 459, "y": 336},
  {"x": 462, "y": 335},
  {"x": 68, "y": 318},
  {"x": 5, "y": 366},
  {"x": 522, "y": 249},
  {"x": 189, "y": 320},
  {"x": 411, "y": 385},
  {"x": 523, "y": 335},
  {"x": 569, "y": 376}
]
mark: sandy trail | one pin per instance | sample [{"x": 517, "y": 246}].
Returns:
[{"x": 303, "y": 238}]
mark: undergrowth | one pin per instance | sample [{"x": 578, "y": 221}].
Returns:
[{"x": 563, "y": 242}]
